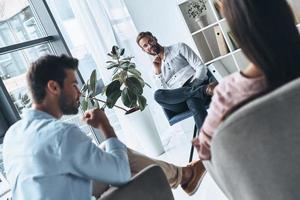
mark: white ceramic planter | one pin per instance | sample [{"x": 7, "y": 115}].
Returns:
[{"x": 139, "y": 128}]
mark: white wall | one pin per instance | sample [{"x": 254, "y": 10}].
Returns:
[{"x": 162, "y": 18}]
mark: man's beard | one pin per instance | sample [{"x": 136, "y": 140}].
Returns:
[
  {"x": 156, "y": 49},
  {"x": 66, "y": 107}
]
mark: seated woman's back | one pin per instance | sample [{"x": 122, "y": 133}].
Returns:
[{"x": 274, "y": 55}]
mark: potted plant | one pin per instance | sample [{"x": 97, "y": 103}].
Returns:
[
  {"x": 197, "y": 10},
  {"x": 126, "y": 84}
]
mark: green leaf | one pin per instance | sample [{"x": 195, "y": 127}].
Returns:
[
  {"x": 122, "y": 52},
  {"x": 84, "y": 88},
  {"x": 128, "y": 58},
  {"x": 112, "y": 98},
  {"x": 141, "y": 81},
  {"x": 112, "y": 87},
  {"x": 122, "y": 76},
  {"x": 115, "y": 71},
  {"x": 109, "y": 61},
  {"x": 135, "y": 85},
  {"x": 114, "y": 50},
  {"x": 131, "y": 65},
  {"x": 113, "y": 65},
  {"x": 92, "y": 102},
  {"x": 84, "y": 104},
  {"x": 134, "y": 71},
  {"x": 116, "y": 77},
  {"x": 93, "y": 82},
  {"x": 129, "y": 99},
  {"x": 124, "y": 64},
  {"x": 142, "y": 102}
]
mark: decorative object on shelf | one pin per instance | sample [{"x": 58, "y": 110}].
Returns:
[
  {"x": 197, "y": 10},
  {"x": 223, "y": 49},
  {"x": 233, "y": 40},
  {"x": 127, "y": 83}
]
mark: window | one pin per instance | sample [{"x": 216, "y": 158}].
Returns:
[
  {"x": 71, "y": 29},
  {"x": 27, "y": 32}
]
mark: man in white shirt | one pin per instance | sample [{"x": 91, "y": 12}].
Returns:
[{"x": 181, "y": 77}]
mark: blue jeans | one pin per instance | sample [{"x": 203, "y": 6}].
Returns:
[{"x": 191, "y": 96}]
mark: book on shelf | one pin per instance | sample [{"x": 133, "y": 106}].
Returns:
[
  {"x": 233, "y": 40},
  {"x": 223, "y": 49},
  {"x": 218, "y": 70},
  {"x": 219, "y": 6}
]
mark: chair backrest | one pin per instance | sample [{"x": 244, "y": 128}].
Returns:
[
  {"x": 149, "y": 184},
  {"x": 256, "y": 151},
  {"x": 174, "y": 117}
]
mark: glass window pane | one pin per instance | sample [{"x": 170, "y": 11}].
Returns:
[
  {"x": 13, "y": 67},
  {"x": 69, "y": 25},
  {"x": 17, "y": 23}
]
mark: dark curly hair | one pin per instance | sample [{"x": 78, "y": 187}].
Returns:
[{"x": 46, "y": 68}]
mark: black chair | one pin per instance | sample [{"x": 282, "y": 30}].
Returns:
[{"x": 174, "y": 118}]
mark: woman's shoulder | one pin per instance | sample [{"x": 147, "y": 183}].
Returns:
[{"x": 237, "y": 81}]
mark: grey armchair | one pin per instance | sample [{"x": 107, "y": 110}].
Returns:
[
  {"x": 149, "y": 184},
  {"x": 256, "y": 151}
]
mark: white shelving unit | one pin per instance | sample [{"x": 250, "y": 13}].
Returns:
[{"x": 215, "y": 43}]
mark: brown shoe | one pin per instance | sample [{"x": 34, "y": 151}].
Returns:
[{"x": 199, "y": 171}]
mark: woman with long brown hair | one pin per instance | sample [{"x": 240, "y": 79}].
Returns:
[{"x": 266, "y": 33}]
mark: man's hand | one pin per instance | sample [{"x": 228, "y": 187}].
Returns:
[
  {"x": 157, "y": 64},
  {"x": 97, "y": 119}
]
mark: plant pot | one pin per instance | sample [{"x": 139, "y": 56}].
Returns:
[
  {"x": 202, "y": 21},
  {"x": 141, "y": 133}
]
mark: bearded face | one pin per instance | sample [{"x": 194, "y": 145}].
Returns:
[
  {"x": 67, "y": 105},
  {"x": 69, "y": 97},
  {"x": 150, "y": 45}
]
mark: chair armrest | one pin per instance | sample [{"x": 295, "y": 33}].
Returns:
[{"x": 149, "y": 184}]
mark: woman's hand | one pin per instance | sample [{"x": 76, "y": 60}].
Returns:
[{"x": 202, "y": 144}]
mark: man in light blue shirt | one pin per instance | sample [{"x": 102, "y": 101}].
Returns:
[{"x": 45, "y": 158}]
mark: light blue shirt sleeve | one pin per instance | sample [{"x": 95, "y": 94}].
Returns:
[
  {"x": 194, "y": 61},
  {"x": 84, "y": 158}
]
